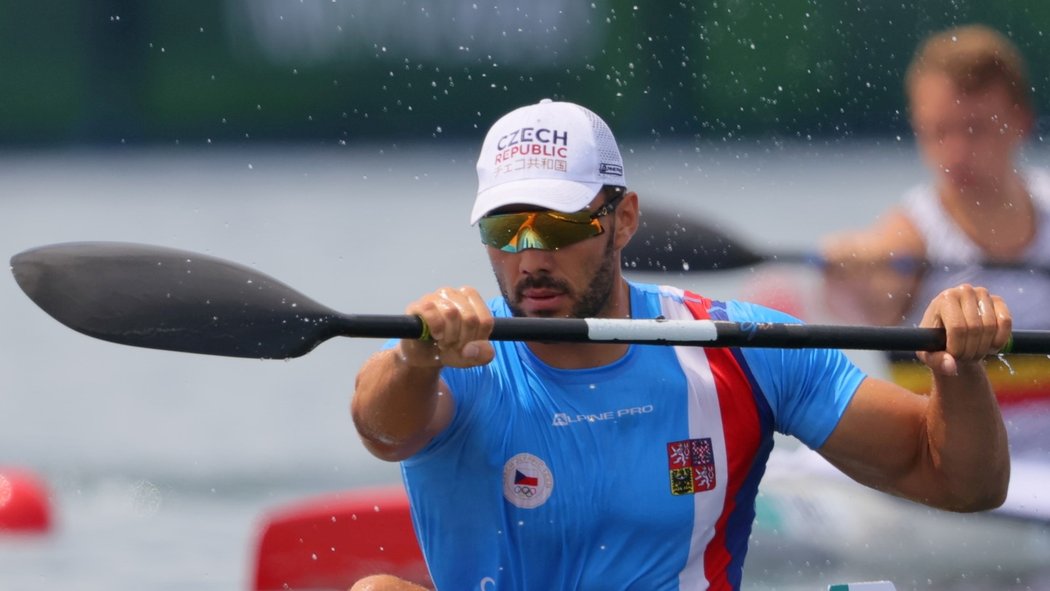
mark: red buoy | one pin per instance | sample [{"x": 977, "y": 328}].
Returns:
[{"x": 24, "y": 502}]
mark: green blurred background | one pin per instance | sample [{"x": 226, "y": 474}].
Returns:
[{"x": 109, "y": 72}]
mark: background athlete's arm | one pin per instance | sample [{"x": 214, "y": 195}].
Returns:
[{"x": 861, "y": 282}]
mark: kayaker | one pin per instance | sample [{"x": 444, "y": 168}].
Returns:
[
  {"x": 970, "y": 107},
  {"x": 611, "y": 466}
]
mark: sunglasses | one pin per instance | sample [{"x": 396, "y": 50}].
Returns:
[{"x": 544, "y": 230}]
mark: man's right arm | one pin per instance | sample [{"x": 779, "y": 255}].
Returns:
[
  {"x": 398, "y": 408},
  {"x": 400, "y": 402}
]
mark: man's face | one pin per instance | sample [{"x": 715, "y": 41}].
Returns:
[
  {"x": 573, "y": 281},
  {"x": 968, "y": 139}
]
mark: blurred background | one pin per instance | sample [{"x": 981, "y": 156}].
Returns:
[
  {"x": 331, "y": 143},
  {"x": 117, "y": 72}
]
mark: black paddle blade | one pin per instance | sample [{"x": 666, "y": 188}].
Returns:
[
  {"x": 669, "y": 242},
  {"x": 163, "y": 298}
]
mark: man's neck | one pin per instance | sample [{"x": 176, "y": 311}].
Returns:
[{"x": 585, "y": 355}]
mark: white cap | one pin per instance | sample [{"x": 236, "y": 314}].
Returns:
[{"x": 553, "y": 155}]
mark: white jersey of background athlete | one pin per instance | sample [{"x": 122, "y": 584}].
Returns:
[
  {"x": 641, "y": 474},
  {"x": 1027, "y": 293}
]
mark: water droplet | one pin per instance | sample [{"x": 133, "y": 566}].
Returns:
[{"x": 1004, "y": 361}]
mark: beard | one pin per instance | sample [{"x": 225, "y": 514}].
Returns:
[{"x": 589, "y": 303}]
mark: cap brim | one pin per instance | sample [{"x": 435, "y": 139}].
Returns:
[{"x": 557, "y": 194}]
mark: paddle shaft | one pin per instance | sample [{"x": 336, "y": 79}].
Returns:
[
  {"x": 163, "y": 298},
  {"x": 703, "y": 333},
  {"x": 905, "y": 264}
]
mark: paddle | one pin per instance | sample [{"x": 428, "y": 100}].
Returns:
[
  {"x": 671, "y": 242},
  {"x": 163, "y": 298}
]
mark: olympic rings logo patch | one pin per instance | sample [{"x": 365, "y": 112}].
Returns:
[{"x": 527, "y": 481}]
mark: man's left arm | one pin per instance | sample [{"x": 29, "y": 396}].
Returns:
[{"x": 948, "y": 449}]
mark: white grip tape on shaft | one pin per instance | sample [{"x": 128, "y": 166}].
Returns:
[{"x": 611, "y": 329}]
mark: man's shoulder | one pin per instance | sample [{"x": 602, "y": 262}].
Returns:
[
  {"x": 640, "y": 288},
  {"x": 652, "y": 294},
  {"x": 1037, "y": 181},
  {"x": 717, "y": 309},
  {"x": 920, "y": 195}
]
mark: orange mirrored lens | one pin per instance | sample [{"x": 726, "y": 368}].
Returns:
[{"x": 545, "y": 230}]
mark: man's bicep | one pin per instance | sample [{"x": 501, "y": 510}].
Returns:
[{"x": 879, "y": 441}]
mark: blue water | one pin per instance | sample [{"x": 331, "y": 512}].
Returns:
[{"x": 162, "y": 465}]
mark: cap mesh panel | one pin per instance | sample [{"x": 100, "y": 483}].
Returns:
[{"x": 604, "y": 140}]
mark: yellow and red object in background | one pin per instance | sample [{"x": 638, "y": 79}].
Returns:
[{"x": 1016, "y": 379}]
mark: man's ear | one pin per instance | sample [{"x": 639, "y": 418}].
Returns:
[{"x": 626, "y": 219}]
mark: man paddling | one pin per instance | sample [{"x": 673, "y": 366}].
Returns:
[
  {"x": 971, "y": 111},
  {"x": 611, "y": 466}
]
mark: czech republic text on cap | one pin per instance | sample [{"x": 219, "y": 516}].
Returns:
[{"x": 552, "y": 155}]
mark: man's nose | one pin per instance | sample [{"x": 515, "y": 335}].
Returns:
[{"x": 535, "y": 260}]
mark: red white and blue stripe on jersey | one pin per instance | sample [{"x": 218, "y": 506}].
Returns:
[{"x": 744, "y": 423}]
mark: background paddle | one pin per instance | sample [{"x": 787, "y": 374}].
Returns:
[
  {"x": 672, "y": 242},
  {"x": 163, "y": 298}
]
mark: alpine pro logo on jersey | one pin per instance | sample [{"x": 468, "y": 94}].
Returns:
[{"x": 692, "y": 466}]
